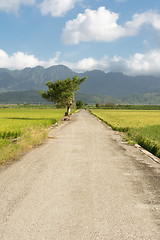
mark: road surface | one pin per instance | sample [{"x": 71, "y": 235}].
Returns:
[{"x": 84, "y": 183}]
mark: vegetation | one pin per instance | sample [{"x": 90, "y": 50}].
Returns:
[
  {"x": 34, "y": 97},
  {"x": 98, "y": 105},
  {"x": 62, "y": 92},
  {"x": 29, "y": 124},
  {"x": 150, "y": 98},
  {"x": 98, "y": 83},
  {"x": 22, "y": 97},
  {"x": 79, "y": 104},
  {"x": 142, "y": 126},
  {"x": 129, "y": 107},
  {"x": 107, "y": 105},
  {"x": 28, "y": 106},
  {"x": 93, "y": 99}
]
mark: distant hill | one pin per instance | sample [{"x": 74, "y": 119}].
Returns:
[
  {"x": 115, "y": 85},
  {"x": 93, "y": 99},
  {"x": 28, "y": 97},
  {"x": 34, "y": 96},
  {"x": 152, "y": 98},
  {"x": 118, "y": 85}
]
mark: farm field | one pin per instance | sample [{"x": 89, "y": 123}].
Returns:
[
  {"x": 142, "y": 126},
  {"x": 28, "y": 124}
]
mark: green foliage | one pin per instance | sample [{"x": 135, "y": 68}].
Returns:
[
  {"x": 127, "y": 107},
  {"x": 62, "y": 92},
  {"x": 79, "y": 104},
  {"x": 110, "y": 105},
  {"x": 138, "y": 107},
  {"x": 98, "y": 105},
  {"x": 28, "y": 106}
]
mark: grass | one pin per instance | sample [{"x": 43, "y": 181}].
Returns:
[
  {"x": 27, "y": 106},
  {"x": 126, "y": 107},
  {"x": 30, "y": 125},
  {"x": 142, "y": 126}
]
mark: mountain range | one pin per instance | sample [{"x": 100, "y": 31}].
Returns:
[{"x": 98, "y": 83}]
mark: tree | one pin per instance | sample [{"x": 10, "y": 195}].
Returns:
[
  {"x": 79, "y": 104},
  {"x": 110, "y": 104},
  {"x": 61, "y": 92},
  {"x": 98, "y": 105}
]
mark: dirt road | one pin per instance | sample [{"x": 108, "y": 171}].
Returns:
[{"x": 83, "y": 184}]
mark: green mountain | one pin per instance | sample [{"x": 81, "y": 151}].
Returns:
[
  {"x": 98, "y": 83},
  {"x": 34, "y": 97},
  {"x": 30, "y": 97},
  {"x": 152, "y": 98},
  {"x": 118, "y": 85},
  {"x": 31, "y": 78},
  {"x": 93, "y": 99}
]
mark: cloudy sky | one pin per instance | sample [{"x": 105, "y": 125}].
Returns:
[{"x": 110, "y": 35}]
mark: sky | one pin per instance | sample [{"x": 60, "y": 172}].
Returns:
[{"x": 109, "y": 35}]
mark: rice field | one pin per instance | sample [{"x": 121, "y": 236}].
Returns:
[
  {"x": 142, "y": 126},
  {"x": 13, "y": 122},
  {"x": 28, "y": 124}
]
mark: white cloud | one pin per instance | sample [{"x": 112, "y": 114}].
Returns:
[
  {"x": 144, "y": 64},
  {"x": 138, "y": 20},
  {"x": 138, "y": 64},
  {"x": 20, "y": 60},
  {"x": 14, "y": 5},
  {"x": 88, "y": 64},
  {"x": 57, "y": 8},
  {"x": 51, "y": 61},
  {"x": 101, "y": 25}
]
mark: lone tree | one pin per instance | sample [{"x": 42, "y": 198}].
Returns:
[{"x": 61, "y": 92}]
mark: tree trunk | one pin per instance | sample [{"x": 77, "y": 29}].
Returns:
[{"x": 69, "y": 109}]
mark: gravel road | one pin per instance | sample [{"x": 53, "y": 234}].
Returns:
[{"x": 83, "y": 183}]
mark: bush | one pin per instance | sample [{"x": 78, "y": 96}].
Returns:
[
  {"x": 98, "y": 105},
  {"x": 110, "y": 104},
  {"x": 79, "y": 104}
]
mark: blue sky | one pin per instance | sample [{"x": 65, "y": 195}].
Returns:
[{"x": 110, "y": 35}]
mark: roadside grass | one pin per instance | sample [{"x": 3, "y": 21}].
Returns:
[
  {"x": 30, "y": 126},
  {"x": 10, "y": 151},
  {"x": 148, "y": 137},
  {"x": 141, "y": 126}
]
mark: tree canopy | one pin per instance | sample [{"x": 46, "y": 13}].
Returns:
[{"x": 61, "y": 92}]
